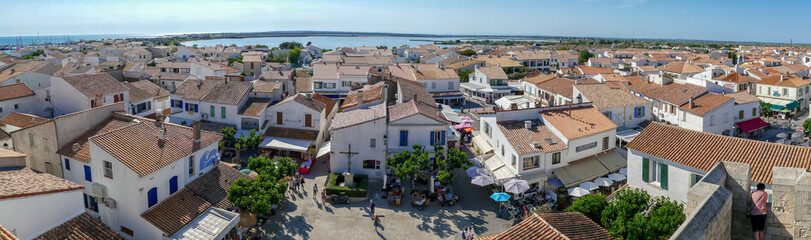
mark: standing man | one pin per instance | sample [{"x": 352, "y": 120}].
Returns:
[{"x": 758, "y": 211}]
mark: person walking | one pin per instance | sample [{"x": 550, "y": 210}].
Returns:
[
  {"x": 315, "y": 191},
  {"x": 757, "y": 211},
  {"x": 372, "y": 207},
  {"x": 377, "y": 222},
  {"x": 323, "y": 196}
]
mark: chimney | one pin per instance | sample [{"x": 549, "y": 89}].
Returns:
[
  {"x": 161, "y": 136},
  {"x": 199, "y": 83},
  {"x": 415, "y": 97},
  {"x": 360, "y": 97},
  {"x": 570, "y": 110},
  {"x": 528, "y": 124},
  {"x": 76, "y": 147},
  {"x": 691, "y": 104},
  {"x": 196, "y": 128}
]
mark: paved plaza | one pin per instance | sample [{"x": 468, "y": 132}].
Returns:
[{"x": 304, "y": 217}]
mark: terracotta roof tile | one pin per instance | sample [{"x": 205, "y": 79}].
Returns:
[
  {"x": 742, "y": 97},
  {"x": 358, "y": 116},
  {"x": 704, "y": 150},
  {"x": 562, "y": 226},
  {"x": 705, "y": 103},
  {"x": 83, "y": 154},
  {"x": 25, "y": 182},
  {"x": 522, "y": 139},
  {"x": 291, "y": 133},
  {"x": 586, "y": 70},
  {"x": 142, "y": 90},
  {"x": 82, "y": 227},
  {"x": 493, "y": 72},
  {"x": 254, "y": 107},
  {"x": 228, "y": 92},
  {"x": 607, "y": 96},
  {"x": 97, "y": 83},
  {"x": 13, "y": 91},
  {"x": 137, "y": 145},
  {"x": 266, "y": 86},
  {"x": 213, "y": 186},
  {"x": 173, "y": 213},
  {"x": 370, "y": 93},
  {"x": 5, "y": 234},
  {"x": 681, "y": 67},
  {"x": 22, "y": 120},
  {"x": 410, "y": 108},
  {"x": 674, "y": 93},
  {"x": 578, "y": 121},
  {"x": 195, "y": 90}
]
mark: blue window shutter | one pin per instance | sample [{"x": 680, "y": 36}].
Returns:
[
  {"x": 95, "y": 204},
  {"x": 432, "y": 138},
  {"x": 180, "y": 104},
  {"x": 187, "y": 107},
  {"x": 643, "y": 112},
  {"x": 172, "y": 103},
  {"x": 195, "y": 107},
  {"x": 152, "y": 197},
  {"x": 85, "y": 199},
  {"x": 87, "y": 174},
  {"x": 67, "y": 164},
  {"x": 173, "y": 185},
  {"x": 403, "y": 138},
  {"x": 442, "y": 142}
]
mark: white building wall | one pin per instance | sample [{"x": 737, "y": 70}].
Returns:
[
  {"x": 24, "y": 105},
  {"x": 33, "y": 80},
  {"x": 678, "y": 177},
  {"x": 419, "y": 129},
  {"x": 32, "y": 216},
  {"x": 293, "y": 116},
  {"x": 359, "y": 137}
]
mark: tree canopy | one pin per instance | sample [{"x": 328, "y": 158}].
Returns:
[
  {"x": 407, "y": 163},
  {"x": 294, "y": 56},
  {"x": 633, "y": 214},
  {"x": 260, "y": 194},
  {"x": 584, "y": 56},
  {"x": 290, "y": 45},
  {"x": 467, "y": 52},
  {"x": 591, "y": 206}
]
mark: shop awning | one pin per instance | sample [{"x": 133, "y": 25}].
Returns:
[
  {"x": 778, "y": 104},
  {"x": 324, "y": 150},
  {"x": 481, "y": 145},
  {"x": 613, "y": 161},
  {"x": 497, "y": 167},
  {"x": 534, "y": 177},
  {"x": 751, "y": 125},
  {"x": 580, "y": 172},
  {"x": 285, "y": 144}
]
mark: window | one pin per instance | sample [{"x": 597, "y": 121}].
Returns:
[
  {"x": 514, "y": 159},
  {"x": 531, "y": 162},
  {"x": 712, "y": 120},
  {"x": 172, "y": 185},
  {"x": 785, "y": 91},
  {"x": 213, "y": 111},
  {"x": 487, "y": 128},
  {"x": 152, "y": 197},
  {"x": 330, "y": 85},
  {"x": 639, "y": 112},
  {"x": 433, "y": 85},
  {"x": 740, "y": 114},
  {"x": 67, "y": 164},
  {"x": 450, "y": 85},
  {"x": 16, "y": 106},
  {"x": 437, "y": 138},
  {"x": 605, "y": 143},
  {"x": 502, "y": 151},
  {"x": 1, "y": 110},
  {"x": 318, "y": 85},
  {"x": 115, "y": 98},
  {"x": 279, "y": 118},
  {"x": 127, "y": 231},
  {"x": 403, "y": 138},
  {"x": 222, "y": 112},
  {"x": 372, "y": 143},
  {"x": 371, "y": 164},
  {"x": 556, "y": 158},
  {"x": 191, "y": 165},
  {"x": 754, "y": 112},
  {"x": 49, "y": 168},
  {"x": 607, "y": 114},
  {"x": 92, "y": 103},
  {"x": 585, "y": 147},
  {"x": 346, "y": 84},
  {"x": 31, "y": 139},
  {"x": 90, "y": 203},
  {"x": 108, "y": 169},
  {"x": 655, "y": 172},
  {"x": 308, "y": 120},
  {"x": 88, "y": 175}
]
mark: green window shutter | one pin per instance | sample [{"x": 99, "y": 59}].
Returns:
[
  {"x": 31, "y": 139},
  {"x": 213, "y": 110},
  {"x": 694, "y": 178},
  {"x": 663, "y": 176},
  {"x": 222, "y": 112},
  {"x": 645, "y": 169}
]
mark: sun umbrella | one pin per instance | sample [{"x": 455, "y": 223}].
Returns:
[
  {"x": 516, "y": 186},
  {"x": 603, "y": 182},
  {"x": 782, "y": 135},
  {"x": 589, "y": 186},
  {"x": 461, "y": 126},
  {"x": 624, "y": 171},
  {"x": 578, "y": 192},
  {"x": 482, "y": 180},
  {"x": 616, "y": 177},
  {"x": 500, "y": 197},
  {"x": 474, "y": 171},
  {"x": 469, "y": 129}
]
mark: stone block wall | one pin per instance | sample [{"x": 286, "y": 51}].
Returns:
[{"x": 738, "y": 182}]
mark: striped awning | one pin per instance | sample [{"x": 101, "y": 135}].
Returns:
[{"x": 582, "y": 171}]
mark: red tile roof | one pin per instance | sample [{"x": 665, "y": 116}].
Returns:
[
  {"x": 13, "y": 91},
  {"x": 562, "y": 226},
  {"x": 25, "y": 182},
  {"x": 522, "y": 139},
  {"x": 705, "y": 103},
  {"x": 83, "y": 153},
  {"x": 704, "y": 150},
  {"x": 578, "y": 121},
  {"x": 22, "y": 120},
  {"x": 175, "y": 212},
  {"x": 82, "y": 227}
]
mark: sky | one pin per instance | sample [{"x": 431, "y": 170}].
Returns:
[{"x": 725, "y": 20}]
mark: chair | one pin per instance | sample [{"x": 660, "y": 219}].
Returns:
[{"x": 512, "y": 213}]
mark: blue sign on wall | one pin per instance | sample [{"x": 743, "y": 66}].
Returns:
[{"x": 208, "y": 159}]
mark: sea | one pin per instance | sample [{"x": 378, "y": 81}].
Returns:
[{"x": 325, "y": 42}]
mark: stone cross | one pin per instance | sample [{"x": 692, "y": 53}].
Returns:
[{"x": 349, "y": 154}]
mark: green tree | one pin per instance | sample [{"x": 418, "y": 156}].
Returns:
[
  {"x": 236, "y": 59},
  {"x": 633, "y": 214},
  {"x": 468, "y": 52},
  {"x": 807, "y": 126},
  {"x": 260, "y": 194},
  {"x": 152, "y": 64},
  {"x": 463, "y": 75},
  {"x": 407, "y": 163},
  {"x": 260, "y": 46},
  {"x": 766, "y": 109},
  {"x": 734, "y": 57},
  {"x": 591, "y": 206},
  {"x": 251, "y": 140},
  {"x": 585, "y": 55},
  {"x": 445, "y": 176},
  {"x": 294, "y": 56},
  {"x": 290, "y": 45},
  {"x": 228, "y": 138}
]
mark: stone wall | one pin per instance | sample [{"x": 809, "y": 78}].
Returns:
[{"x": 717, "y": 205}]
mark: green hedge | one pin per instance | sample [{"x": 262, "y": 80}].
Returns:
[{"x": 334, "y": 187}]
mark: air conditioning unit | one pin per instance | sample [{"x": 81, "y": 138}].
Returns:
[
  {"x": 204, "y": 115},
  {"x": 48, "y": 99},
  {"x": 99, "y": 190},
  {"x": 109, "y": 202}
]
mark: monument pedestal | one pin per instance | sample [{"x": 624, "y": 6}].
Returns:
[{"x": 349, "y": 180}]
